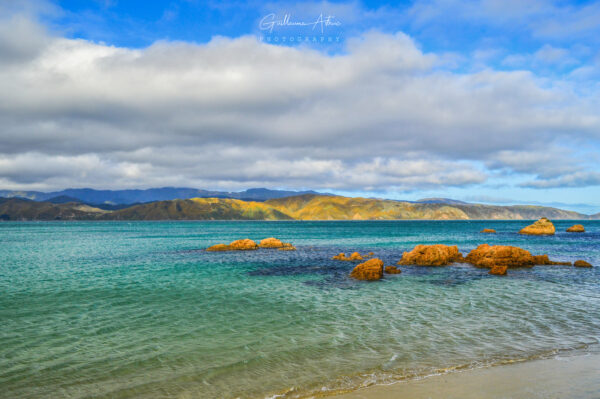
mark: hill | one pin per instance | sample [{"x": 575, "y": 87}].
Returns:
[{"x": 300, "y": 207}]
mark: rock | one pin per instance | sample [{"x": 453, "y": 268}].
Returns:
[
  {"x": 270, "y": 242},
  {"x": 541, "y": 227},
  {"x": 543, "y": 260},
  {"x": 237, "y": 245},
  {"x": 219, "y": 247},
  {"x": 582, "y": 263},
  {"x": 488, "y": 231},
  {"x": 392, "y": 270},
  {"x": 498, "y": 270},
  {"x": 500, "y": 255},
  {"x": 369, "y": 255},
  {"x": 369, "y": 270},
  {"x": 354, "y": 256},
  {"x": 576, "y": 228},
  {"x": 431, "y": 255},
  {"x": 243, "y": 245},
  {"x": 287, "y": 246}
]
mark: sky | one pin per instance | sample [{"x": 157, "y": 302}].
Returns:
[{"x": 492, "y": 101}]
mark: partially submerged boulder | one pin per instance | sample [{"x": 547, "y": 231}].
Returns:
[
  {"x": 237, "y": 245},
  {"x": 500, "y": 255},
  {"x": 392, "y": 270},
  {"x": 576, "y": 228},
  {"x": 582, "y": 263},
  {"x": 369, "y": 270},
  {"x": 543, "y": 260},
  {"x": 541, "y": 227},
  {"x": 488, "y": 231},
  {"x": 431, "y": 255},
  {"x": 353, "y": 257},
  {"x": 498, "y": 270}
]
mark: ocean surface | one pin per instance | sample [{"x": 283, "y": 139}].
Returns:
[{"x": 138, "y": 309}]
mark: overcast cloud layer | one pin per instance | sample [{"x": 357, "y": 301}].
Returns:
[{"x": 237, "y": 113}]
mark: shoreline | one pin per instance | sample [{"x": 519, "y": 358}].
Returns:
[{"x": 562, "y": 376}]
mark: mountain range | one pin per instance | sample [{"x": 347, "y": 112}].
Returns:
[{"x": 296, "y": 207}]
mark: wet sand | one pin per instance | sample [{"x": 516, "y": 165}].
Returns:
[{"x": 563, "y": 377}]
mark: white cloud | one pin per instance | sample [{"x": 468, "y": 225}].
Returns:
[{"x": 236, "y": 113}]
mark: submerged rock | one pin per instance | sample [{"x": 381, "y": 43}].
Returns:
[
  {"x": 392, "y": 270},
  {"x": 431, "y": 255},
  {"x": 582, "y": 263},
  {"x": 500, "y": 255},
  {"x": 576, "y": 228},
  {"x": 369, "y": 270},
  {"x": 498, "y": 270},
  {"x": 287, "y": 246},
  {"x": 541, "y": 227},
  {"x": 488, "y": 231},
  {"x": 237, "y": 245}
]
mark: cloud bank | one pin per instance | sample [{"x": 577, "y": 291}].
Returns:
[{"x": 232, "y": 113}]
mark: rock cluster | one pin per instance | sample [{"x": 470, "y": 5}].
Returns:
[
  {"x": 576, "y": 228},
  {"x": 543, "y": 260},
  {"x": 488, "y": 231},
  {"x": 541, "y": 227},
  {"x": 500, "y": 255},
  {"x": 249, "y": 245},
  {"x": 369, "y": 270},
  {"x": 431, "y": 255},
  {"x": 353, "y": 257}
]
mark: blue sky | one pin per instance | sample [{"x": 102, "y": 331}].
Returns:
[{"x": 489, "y": 101}]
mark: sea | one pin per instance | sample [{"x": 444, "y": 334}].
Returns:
[{"x": 141, "y": 310}]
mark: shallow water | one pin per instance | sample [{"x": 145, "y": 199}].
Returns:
[{"x": 137, "y": 309}]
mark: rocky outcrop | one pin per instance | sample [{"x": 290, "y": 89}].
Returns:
[
  {"x": 488, "y": 231},
  {"x": 582, "y": 263},
  {"x": 369, "y": 270},
  {"x": 270, "y": 242},
  {"x": 498, "y": 270},
  {"x": 576, "y": 228},
  {"x": 500, "y": 255},
  {"x": 353, "y": 257},
  {"x": 541, "y": 227},
  {"x": 431, "y": 255},
  {"x": 543, "y": 260},
  {"x": 392, "y": 270},
  {"x": 237, "y": 245}
]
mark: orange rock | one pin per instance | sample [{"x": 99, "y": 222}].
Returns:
[
  {"x": 287, "y": 246},
  {"x": 340, "y": 256},
  {"x": 243, "y": 245},
  {"x": 498, "y": 270},
  {"x": 488, "y": 231},
  {"x": 369, "y": 254},
  {"x": 541, "y": 227},
  {"x": 544, "y": 260},
  {"x": 270, "y": 242},
  {"x": 500, "y": 255},
  {"x": 582, "y": 263},
  {"x": 576, "y": 228},
  {"x": 431, "y": 255},
  {"x": 392, "y": 270},
  {"x": 369, "y": 270},
  {"x": 355, "y": 256},
  {"x": 219, "y": 247}
]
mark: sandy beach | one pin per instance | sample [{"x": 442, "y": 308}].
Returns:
[{"x": 561, "y": 377}]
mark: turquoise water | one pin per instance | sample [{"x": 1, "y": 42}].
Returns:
[{"x": 138, "y": 309}]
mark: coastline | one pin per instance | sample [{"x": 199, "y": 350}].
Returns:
[{"x": 570, "y": 376}]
